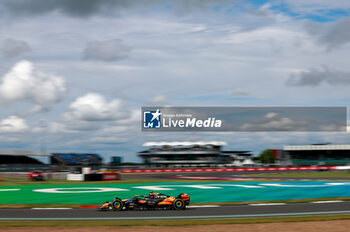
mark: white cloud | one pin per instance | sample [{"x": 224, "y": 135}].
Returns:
[
  {"x": 95, "y": 107},
  {"x": 267, "y": 34},
  {"x": 271, "y": 115},
  {"x": 24, "y": 82},
  {"x": 13, "y": 124},
  {"x": 91, "y": 112},
  {"x": 133, "y": 118},
  {"x": 206, "y": 54}
]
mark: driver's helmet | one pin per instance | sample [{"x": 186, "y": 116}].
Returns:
[{"x": 152, "y": 194}]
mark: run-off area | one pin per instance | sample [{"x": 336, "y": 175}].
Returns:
[{"x": 199, "y": 192}]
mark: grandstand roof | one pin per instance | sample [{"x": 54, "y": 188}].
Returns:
[
  {"x": 316, "y": 147},
  {"x": 24, "y": 152},
  {"x": 185, "y": 143}
]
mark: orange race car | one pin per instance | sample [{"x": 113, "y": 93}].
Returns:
[{"x": 152, "y": 201}]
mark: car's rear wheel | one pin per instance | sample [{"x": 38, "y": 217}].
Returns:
[
  {"x": 179, "y": 204},
  {"x": 117, "y": 205}
]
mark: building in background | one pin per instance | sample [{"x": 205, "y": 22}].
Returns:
[
  {"x": 116, "y": 160},
  {"x": 315, "y": 155},
  {"x": 23, "y": 160},
  {"x": 192, "y": 154}
]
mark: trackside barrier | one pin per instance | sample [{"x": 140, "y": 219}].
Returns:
[
  {"x": 76, "y": 177},
  {"x": 343, "y": 167},
  {"x": 110, "y": 176},
  {"x": 228, "y": 169},
  {"x": 93, "y": 177}
]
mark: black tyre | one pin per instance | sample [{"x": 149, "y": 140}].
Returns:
[
  {"x": 117, "y": 205},
  {"x": 179, "y": 204}
]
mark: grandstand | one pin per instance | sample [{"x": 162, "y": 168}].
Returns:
[
  {"x": 316, "y": 154},
  {"x": 20, "y": 160},
  {"x": 21, "y": 156},
  {"x": 200, "y": 154},
  {"x": 75, "y": 159}
]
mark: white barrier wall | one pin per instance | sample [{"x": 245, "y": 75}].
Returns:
[
  {"x": 343, "y": 167},
  {"x": 86, "y": 170},
  {"x": 76, "y": 177}
]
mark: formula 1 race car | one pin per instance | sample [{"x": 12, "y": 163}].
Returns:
[
  {"x": 36, "y": 175},
  {"x": 152, "y": 201}
]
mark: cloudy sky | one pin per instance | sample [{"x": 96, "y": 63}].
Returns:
[{"x": 75, "y": 73}]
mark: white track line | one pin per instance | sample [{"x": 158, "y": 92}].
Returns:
[
  {"x": 202, "y": 206},
  {"x": 9, "y": 190},
  {"x": 267, "y": 204},
  {"x": 51, "y": 208},
  {"x": 321, "y": 202}
]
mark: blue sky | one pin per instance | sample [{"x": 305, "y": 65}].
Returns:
[{"x": 73, "y": 77}]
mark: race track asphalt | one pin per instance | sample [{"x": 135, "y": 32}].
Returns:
[{"x": 237, "y": 211}]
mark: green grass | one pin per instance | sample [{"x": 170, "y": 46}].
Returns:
[
  {"x": 171, "y": 222},
  {"x": 23, "y": 181},
  {"x": 62, "y": 205},
  {"x": 340, "y": 174},
  {"x": 13, "y": 181}
]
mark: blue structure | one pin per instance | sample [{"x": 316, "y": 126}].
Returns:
[{"x": 76, "y": 159}]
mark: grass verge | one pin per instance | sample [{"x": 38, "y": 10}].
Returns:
[
  {"x": 171, "y": 222},
  {"x": 7, "y": 206}
]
